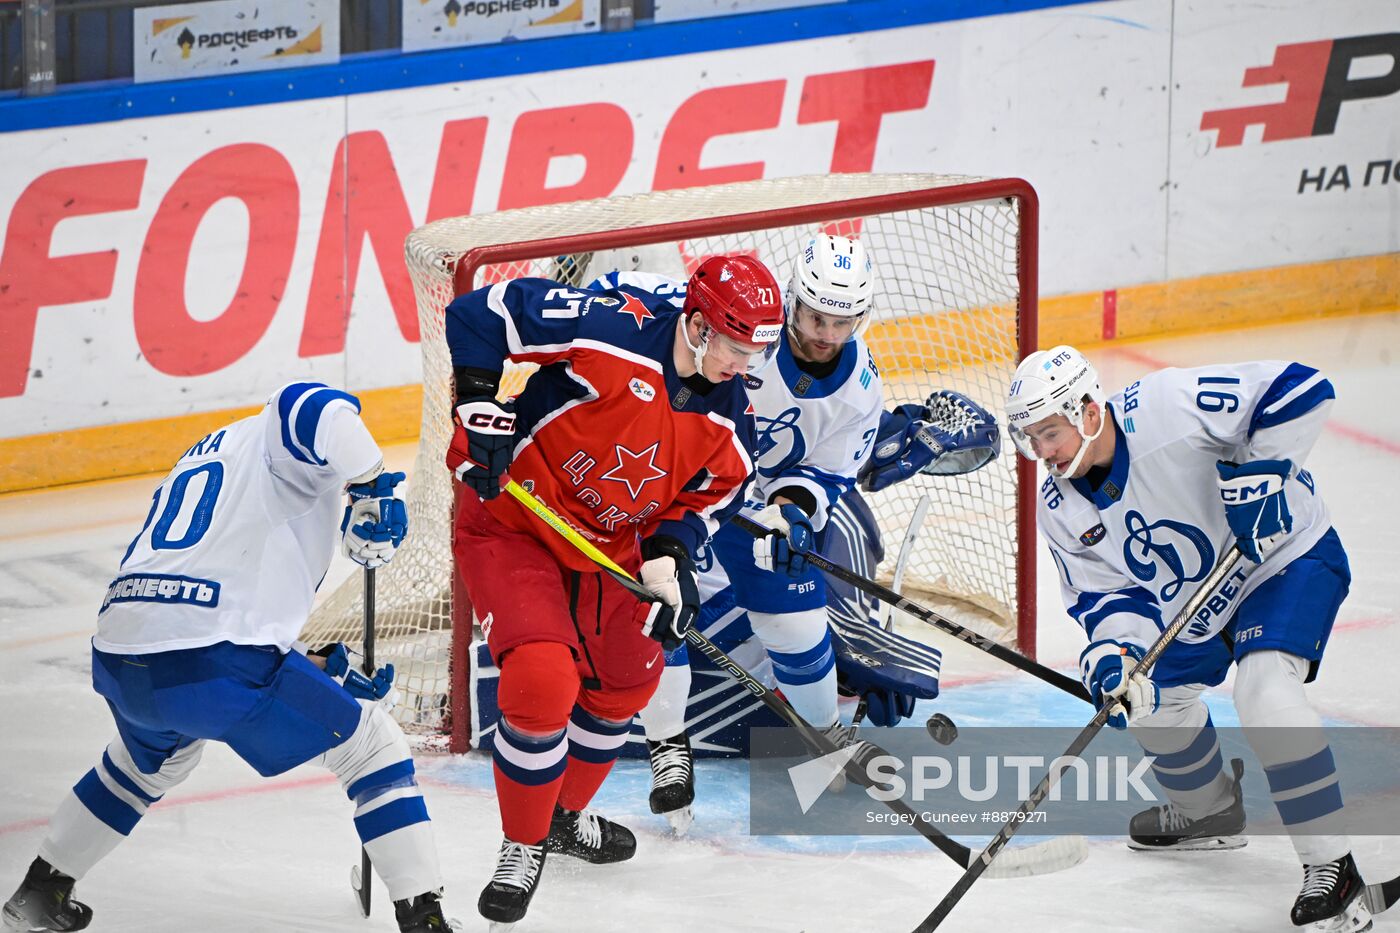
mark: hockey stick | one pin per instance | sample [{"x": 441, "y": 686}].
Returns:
[
  {"x": 1068, "y": 684},
  {"x": 906, "y": 550},
  {"x": 361, "y": 882},
  {"x": 1222, "y": 571},
  {"x": 1382, "y": 895},
  {"x": 1052, "y": 855}
]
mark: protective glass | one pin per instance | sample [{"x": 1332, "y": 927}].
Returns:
[
  {"x": 726, "y": 351},
  {"x": 814, "y": 325}
]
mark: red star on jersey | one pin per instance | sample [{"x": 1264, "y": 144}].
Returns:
[
  {"x": 633, "y": 306},
  {"x": 635, "y": 469}
]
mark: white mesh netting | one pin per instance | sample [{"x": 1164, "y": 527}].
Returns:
[{"x": 947, "y": 314}]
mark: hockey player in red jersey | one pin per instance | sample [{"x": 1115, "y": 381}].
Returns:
[{"x": 636, "y": 432}]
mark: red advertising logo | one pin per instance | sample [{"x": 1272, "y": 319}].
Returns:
[
  {"x": 366, "y": 207},
  {"x": 1319, "y": 80}
]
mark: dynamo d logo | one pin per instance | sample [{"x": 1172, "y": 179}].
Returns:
[{"x": 1181, "y": 549}]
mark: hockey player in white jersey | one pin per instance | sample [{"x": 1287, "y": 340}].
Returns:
[
  {"x": 1146, "y": 491},
  {"x": 196, "y": 642}
]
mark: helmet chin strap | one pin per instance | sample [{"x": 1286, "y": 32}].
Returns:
[
  {"x": 697, "y": 350},
  {"x": 1083, "y": 447}
]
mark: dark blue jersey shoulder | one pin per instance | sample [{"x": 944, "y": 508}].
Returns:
[{"x": 539, "y": 320}]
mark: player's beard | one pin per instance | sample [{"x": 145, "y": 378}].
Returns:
[{"x": 811, "y": 350}]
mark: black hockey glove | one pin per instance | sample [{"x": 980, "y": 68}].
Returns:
[
  {"x": 668, "y": 571},
  {"x": 482, "y": 443}
]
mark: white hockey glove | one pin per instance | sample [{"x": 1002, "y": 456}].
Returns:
[
  {"x": 784, "y": 549},
  {"x": 378, "y": 689},
  {"x": 669, "y": 573},
  {"x": 1104, "y": 667},
  {"x": 375, "y": 520}
]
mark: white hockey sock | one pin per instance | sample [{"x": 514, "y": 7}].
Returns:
[
  {"x": 376, "y": 769},
  {"x": 1188, "y": 765},
  {"x": 664, "y": 714},
  {"x": 799, "y": 645},
  {"x": 1292, "y": 746},
  {"x": 104, "y": 807}
]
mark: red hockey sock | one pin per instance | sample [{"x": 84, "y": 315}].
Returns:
[
  {"x": 594, "y": 745},
  {"x": 538, "y": 684},
  {"x": 528, "y": 774}
]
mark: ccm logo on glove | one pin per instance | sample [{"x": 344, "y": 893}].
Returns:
[{"x": 489, "y": 423}]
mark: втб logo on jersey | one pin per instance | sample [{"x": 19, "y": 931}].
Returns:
[
  {"x": 783, "y": 435},
  {"x": 1319, "y": 79},
  {"x": 1182, "y": 550}
]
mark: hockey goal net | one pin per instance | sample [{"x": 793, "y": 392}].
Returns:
[{"x": 954, "y": 307}]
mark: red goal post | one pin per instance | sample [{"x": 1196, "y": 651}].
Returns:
[{"x": 954, "y": 307}]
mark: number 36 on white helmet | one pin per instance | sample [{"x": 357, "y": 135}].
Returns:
[
  {"x": 1058, "y": 381},
  {"x": 833, "y": 277}
]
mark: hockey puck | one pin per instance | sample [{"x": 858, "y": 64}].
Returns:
[{"x": 941, "y": 729}]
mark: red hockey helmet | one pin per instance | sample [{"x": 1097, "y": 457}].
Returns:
[{"x": 738, "y": 297}]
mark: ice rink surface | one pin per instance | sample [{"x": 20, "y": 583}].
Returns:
[{"x": 228, "y": 851}]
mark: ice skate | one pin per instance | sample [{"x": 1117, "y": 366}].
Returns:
[
  {"x": 423, "y": 914},
  {"x": 585, "y": 835},
  {"x": 1331, "y": 900},
  {"x": 506, "y": 897},
  {"x": 44, "y": 901},
  {"x": 844, "y": 737},
  {"x": 673, "y": 781},
  {"x": 1166, "y": 827}
]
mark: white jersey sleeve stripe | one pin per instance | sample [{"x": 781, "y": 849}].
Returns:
[
  {"x": 1297, "y": 391},
  {"x": 300, "y": 407}
]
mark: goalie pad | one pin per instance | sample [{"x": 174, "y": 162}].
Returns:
[{"x": 886, "y": 669}]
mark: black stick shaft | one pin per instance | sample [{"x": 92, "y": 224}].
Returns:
[
  {"x": 818, "y": 743},
  {"x": 885, "y": 594},
  {"x": 365, "y": 884},
  {"x": 1222, "y": 571}
]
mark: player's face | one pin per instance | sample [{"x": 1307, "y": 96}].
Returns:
[
  {"x": 818, "y": 337},
  {"x": 1056, "y": 441},
  {"x": 726, "y": 358}
]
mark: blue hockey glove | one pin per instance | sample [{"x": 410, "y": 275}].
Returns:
[
  {"x": 784, "y": 549},
  {"x": 375, "y": 520},
  {"x": 669, "y": 572},
  {"x": 1104, "y": 667},
  {"x": 1255, "y": 504},
  {"x": 949, "y": 435},
  {"x": 357, "y": 684},
  {"x": 482, "y": 443}
]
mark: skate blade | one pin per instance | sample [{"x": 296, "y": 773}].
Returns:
[
  {"x": 12, "y": 922},
  {"x": 680, "y": 820},
  {"x": 1355, "y": 919},
  {"x": 1203, "y": 844},
  {"x": 499, "y": 926},
  {"x": 356, "y": 888}
]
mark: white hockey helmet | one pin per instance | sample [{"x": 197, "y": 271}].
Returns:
[
  {"x": 1053, "y": 382},
  {"x": 833, "y": 275}
]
